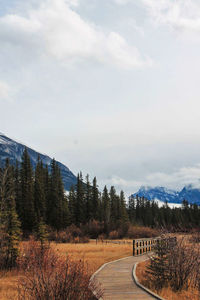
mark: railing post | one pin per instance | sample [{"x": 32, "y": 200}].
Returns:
[{"x": 133, "y": 247}]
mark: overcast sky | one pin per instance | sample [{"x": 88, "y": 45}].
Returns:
[{"x": 109, "y": 87}]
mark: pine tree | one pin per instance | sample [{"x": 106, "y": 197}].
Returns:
[
  {"x": 9, "y": 224},
  {"x": 17, "y": 188},
  {"x": 106, "y": 208},
  {"x": 41, "y": 233},
  {"x": 72, "y": 205},
  {"x": 159, "y": 264},
  {"x": 27, "y": 210},
  {"x": 39, "y": 192},
  {"x": 80, "y": 211},
  {"x": 131, "y": 209},
  {"x": 95, "y": 200},
  {"x": 57, "y": 212},
  {"x": 46, "y": 185},
  {"x": 88, "y": 200},
  {"x": 113, "y": 204},
  {"x": 123, "y": 211}
]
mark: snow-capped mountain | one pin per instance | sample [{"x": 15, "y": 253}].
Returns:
[
  {"x": 160, "y": 193},
  {"x": 189, "y": 193},
  {"x": 13, "y": 150}
]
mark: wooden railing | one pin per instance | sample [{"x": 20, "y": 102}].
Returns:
[{"x": 142, "y": 246}]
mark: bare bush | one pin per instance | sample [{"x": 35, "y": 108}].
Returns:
[
  {"x": 195, "y": 238},
  {"x": 48, "y": 276},
  {"x": 113, "y": 235},
  {"x": 93, "y": 229},
  {"x": 141, "y": 232},
  {"x": 72, "y": 234},
  {"x": 175, "y": 265}
]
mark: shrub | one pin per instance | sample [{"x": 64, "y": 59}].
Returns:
[
  {"x": 48, "y": 276},
  {"x": 64, "y": 237},
  {"x": 74, "y": 230},
  {"x": 113, "y": 235},
  {"x": 195, "y": 238},
  {"x": 72, "y": 234},
  {"x": 176, "y": 265},
  {"x": 102, "y": 237},
  {"x": 141, "y": 232},
  {"x": 93, "y": 229}
]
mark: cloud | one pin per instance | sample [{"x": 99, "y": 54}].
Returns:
[
  {"x": 121, "y": 2},
  {"x": 72, "y": 2},
  {"x": 175, "y": 180},
  {"x": 4, "y": 90},
  {"x": 56, "y": 30},
  {"x": 179, "y": 14}
]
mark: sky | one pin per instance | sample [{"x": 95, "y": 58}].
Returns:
[{"x": 110, "y": 87}]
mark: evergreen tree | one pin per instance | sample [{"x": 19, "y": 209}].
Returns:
[
  {"x": 123, "y": 211},
  {"x": 57, "y": 211},
  {"x": 9, "y": 223},
  {"x": 26, "y": 206},
  {"x": 72, "y": 205},
  {"x": 131, "y": 209},
  {"x": 39, "y": 192},
  {"x": 113, "y": 204},
  {"x": 41, "y": 233},
  {"x": 80, "y": 211},
  {"x": 106, "y": 208},
  {"x": 88, "y": 202},
  {"x": 95, "y": 200},
  {"x": 159, "y": 264},
  {"x": 17, "y": 188}
]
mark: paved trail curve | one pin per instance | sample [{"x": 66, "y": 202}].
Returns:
[{"x": 117, "y": 282}]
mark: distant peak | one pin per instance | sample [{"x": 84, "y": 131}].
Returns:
[
  {"x": 145, "y": 188},
  {"x": 192, "y": 186}
]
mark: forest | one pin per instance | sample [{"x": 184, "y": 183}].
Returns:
[
  {"x": 35, "y": 206},
  {"x": 30, "y": 198}
]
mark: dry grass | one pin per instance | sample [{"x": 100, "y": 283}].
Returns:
[
  {"x": 93, "y": 255},
  {"x": 8, "y": 286},
  {"x": 166, "y": 293}
]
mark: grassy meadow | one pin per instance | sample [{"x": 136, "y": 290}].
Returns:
[{"x": 93, "y": 255}]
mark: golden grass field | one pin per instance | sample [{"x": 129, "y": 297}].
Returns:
[
  {"x": 93, "y": 255},
  {"x": 166, "y": 293}
]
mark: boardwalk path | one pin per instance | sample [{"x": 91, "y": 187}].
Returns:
[{"x": 117, "y": 281}]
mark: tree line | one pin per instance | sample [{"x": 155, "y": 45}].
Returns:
[
  {"x": 31, "y": 197},
  {"x": 148, "y": 213}
]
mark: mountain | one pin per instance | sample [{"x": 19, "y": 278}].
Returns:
[
  {"x": 189, "y": 193},
  {"x": 13, "y": 150},
  {"x": 160, "y": 193}
]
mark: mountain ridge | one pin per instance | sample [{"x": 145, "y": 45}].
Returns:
[
  {"x": 189, "y": 193},
  {"x": 13, "y": 150}
]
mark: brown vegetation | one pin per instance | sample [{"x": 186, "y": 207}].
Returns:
[
  {"x": 133, "y": 232},
  {"x": 95, "y": 229},
  {"x": 142, "y": 232},
  {"x": 174, "y": 275},
  {"x": 47, "y": 275},
  {"x": 92, "y": 256}
]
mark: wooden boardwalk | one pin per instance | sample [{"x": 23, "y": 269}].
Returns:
[{"x": 117, "y": 282}]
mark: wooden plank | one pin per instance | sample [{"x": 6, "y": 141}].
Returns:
[{"x": 117, "y": 283}]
